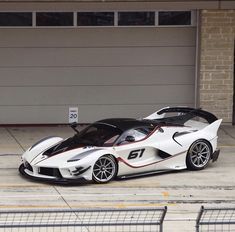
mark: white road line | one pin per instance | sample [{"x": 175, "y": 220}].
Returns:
[
  {"x": 76, "y": 195},
  {"x": 160, "y": 194}
]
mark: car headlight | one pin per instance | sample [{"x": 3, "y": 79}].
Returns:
[
  {"x": 74, "y": 159},
  {"x": 82, "y": 155}
]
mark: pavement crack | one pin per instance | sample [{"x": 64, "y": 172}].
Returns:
[
  {"x": 62, "y": 197},
  {"x": 75, "y": 213},
  {"x": 224, "y": 130},
  {"x": 13, "y": 136}
]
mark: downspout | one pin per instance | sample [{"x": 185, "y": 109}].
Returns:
[{"x": 197, "y": 61}]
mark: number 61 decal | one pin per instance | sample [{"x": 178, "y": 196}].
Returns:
[{"x": 136, "y": 153}]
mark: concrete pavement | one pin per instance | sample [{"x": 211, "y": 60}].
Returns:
[{"x": 183, "y": 192}]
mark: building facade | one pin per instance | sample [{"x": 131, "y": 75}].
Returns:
[
  {"x": 216, "y": 92},
  {"x": 114, "y": 59}
]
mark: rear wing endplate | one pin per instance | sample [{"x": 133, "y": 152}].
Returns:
[{"x": 185, "y": 113}]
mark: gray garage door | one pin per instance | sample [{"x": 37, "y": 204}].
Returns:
[{"x": 105, "y": 72}]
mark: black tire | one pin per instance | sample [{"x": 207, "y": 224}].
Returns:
[
  {"x": 104, "y": 170},
  {"x": 199, "y": 155}
]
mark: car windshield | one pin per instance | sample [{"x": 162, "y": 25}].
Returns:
[{"x": 98, "y": 135}]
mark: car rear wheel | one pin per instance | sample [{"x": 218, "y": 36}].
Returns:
[
  {"x": 199, "y": 155},
  {"x": 105, "y": 169}
]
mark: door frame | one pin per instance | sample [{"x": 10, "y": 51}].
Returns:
[{"x": 233, "y": 117}]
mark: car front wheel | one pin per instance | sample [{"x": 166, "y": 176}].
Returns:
[
  {"x": 105, "y": 169},
  {"x": 199, "y": 155}
]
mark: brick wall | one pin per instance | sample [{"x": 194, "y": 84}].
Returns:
[{"x": 216, "y": 62}]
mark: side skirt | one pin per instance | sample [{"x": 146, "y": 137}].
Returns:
[{"x": 146, "y": 173}]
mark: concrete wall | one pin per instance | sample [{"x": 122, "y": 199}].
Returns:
[
  {"x": 217, "y": 62},
  {"x": 115, "y": 4}
]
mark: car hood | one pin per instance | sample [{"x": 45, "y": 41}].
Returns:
[
  {"x": 55, "y": 151},
  {"x": 67, "y": 158},
  {"x": 51, "y": 146}
]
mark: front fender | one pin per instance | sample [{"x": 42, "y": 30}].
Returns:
[
  {"x": 87, "y": 160},
  {"x": 91, "y": 156}
]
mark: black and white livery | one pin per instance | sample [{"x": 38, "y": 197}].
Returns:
[{"x": 172, "y": 138}]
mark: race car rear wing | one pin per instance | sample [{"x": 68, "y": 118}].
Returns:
[{"x": 184, "y": 114}]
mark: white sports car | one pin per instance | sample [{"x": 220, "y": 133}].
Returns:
[{"x": 170, "y": 139}]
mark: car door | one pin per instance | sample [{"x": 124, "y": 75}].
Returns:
[{"x": 135, "y": 151}]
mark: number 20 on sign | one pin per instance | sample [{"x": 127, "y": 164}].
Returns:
[{"x": 73, "y": 114}]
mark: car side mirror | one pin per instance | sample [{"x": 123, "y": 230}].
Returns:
[
  {"x": 130, "y": 139},
  {"x": 74, "y": 127}
]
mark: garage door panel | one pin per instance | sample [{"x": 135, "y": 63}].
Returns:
[
  {"x": 95, "y": 95},
  {"x": 28, "y": 57},
  {"x": 85, "y": 37},
  {"x": 79, "y": 76},
  {"x": 130, "y": 111},
  {"x": 33, "y": 114},
  {"x": 86, "y": 114},
  {"x": 106, "y": 72}
]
